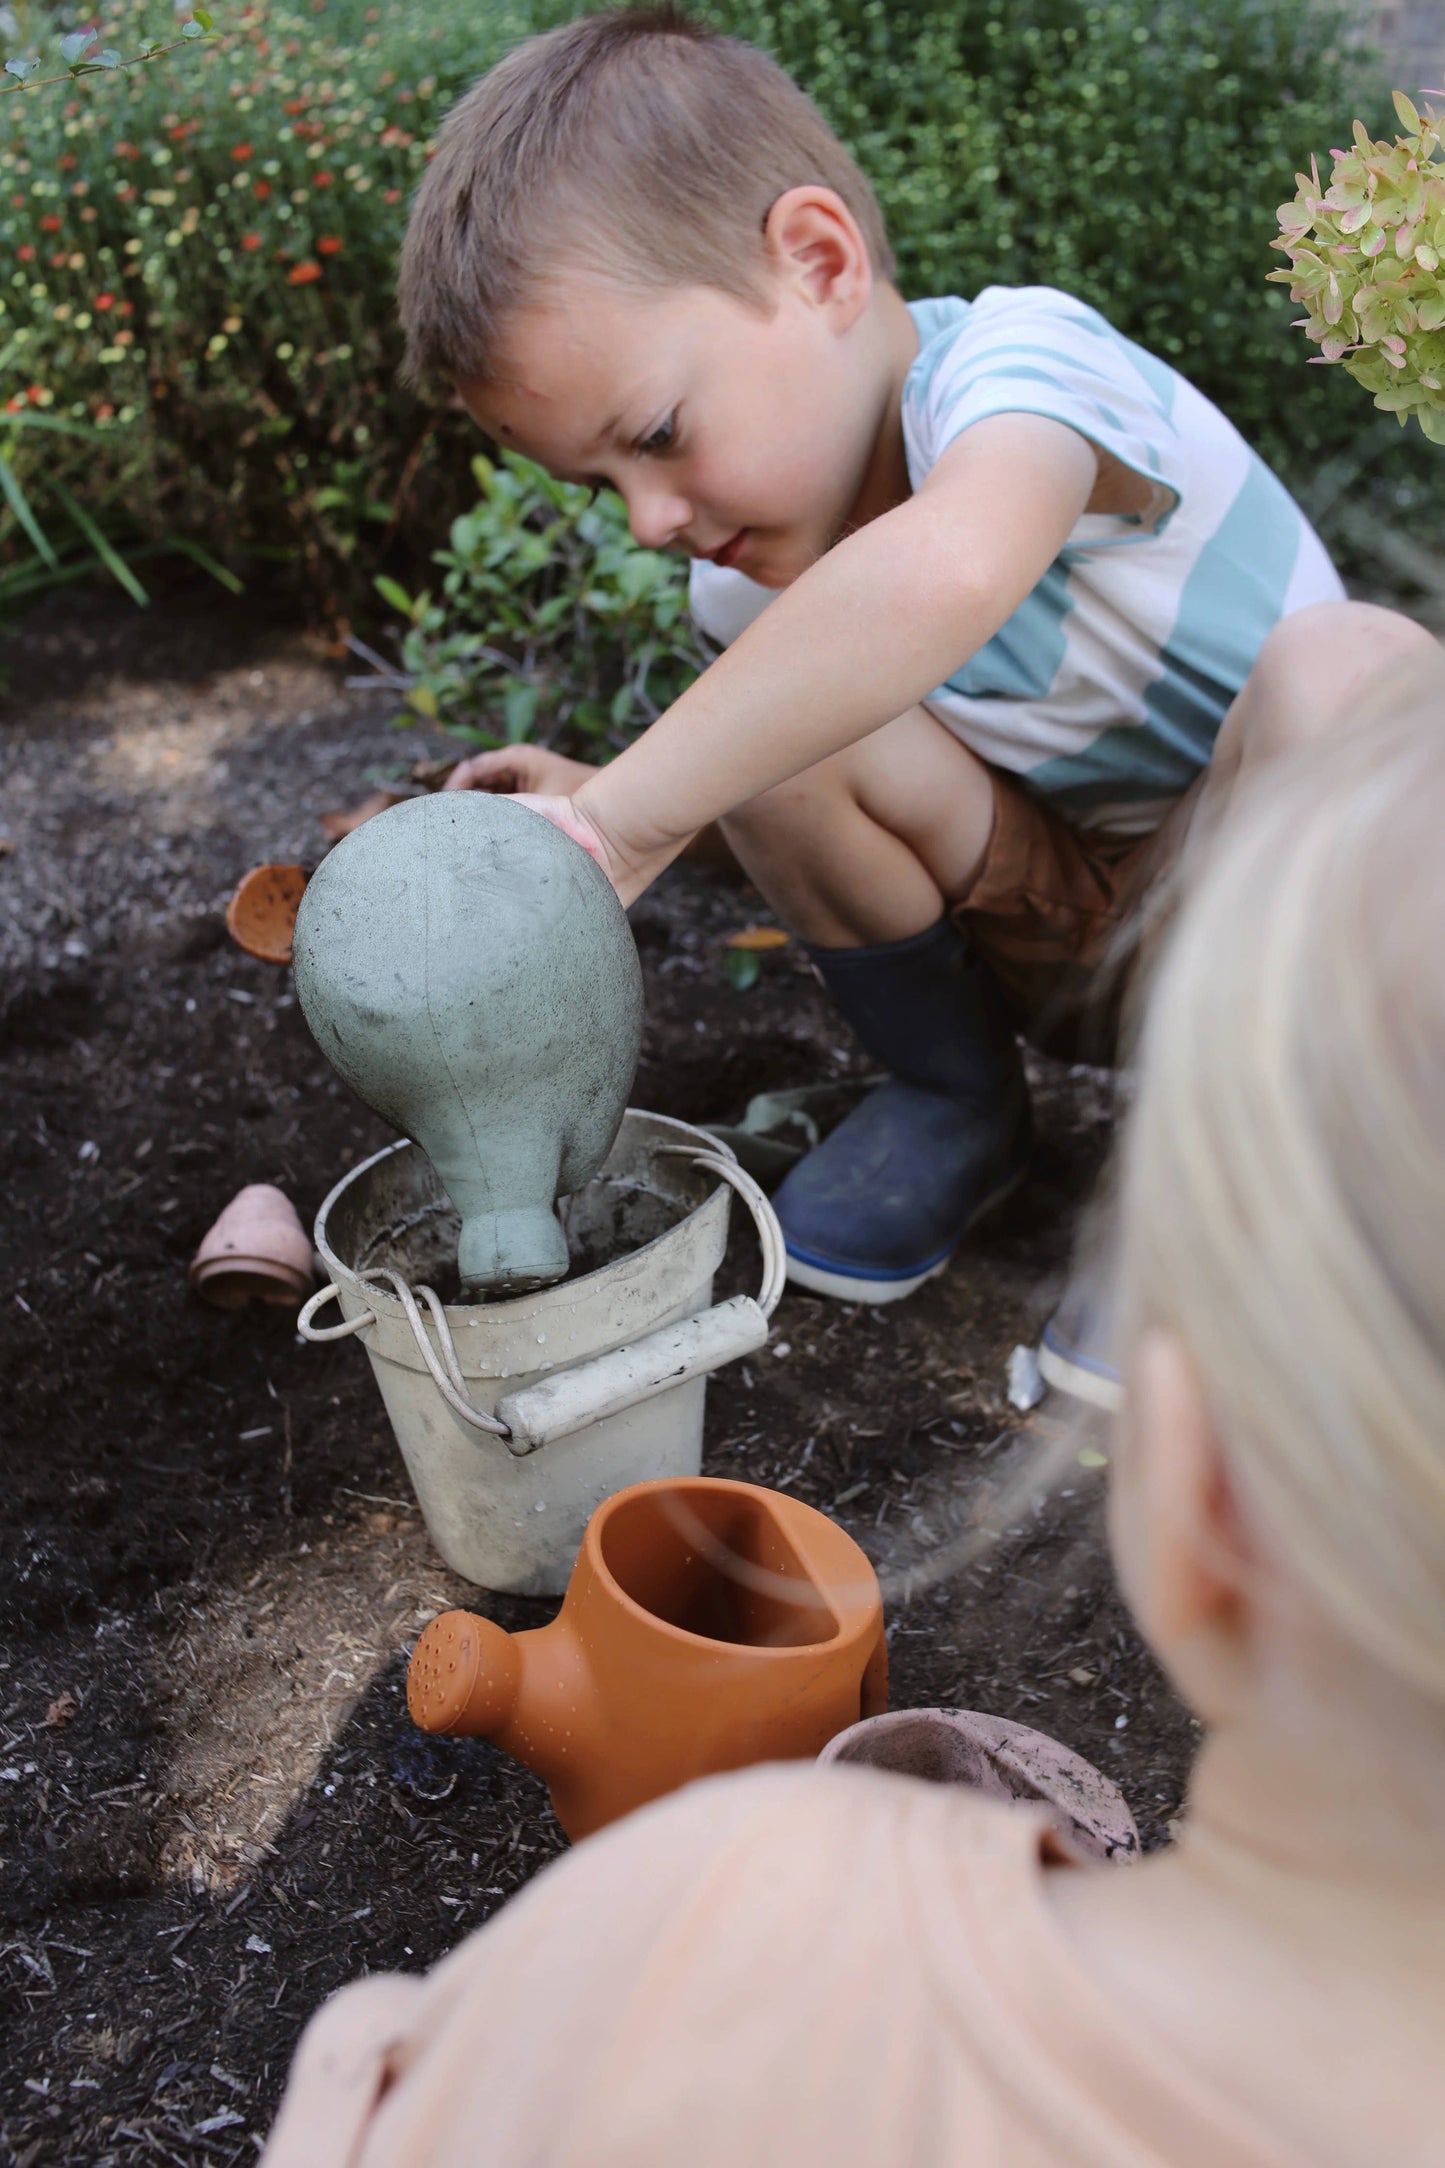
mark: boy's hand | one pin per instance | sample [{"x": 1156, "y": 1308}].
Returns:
[
  {"x": 573, "y": 822},
  {"x": 520, "y": 768}
]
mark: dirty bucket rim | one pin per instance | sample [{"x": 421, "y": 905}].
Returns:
[
  {"x": 845, "y": 1630},
  {"x": 515, "y": 1308}
]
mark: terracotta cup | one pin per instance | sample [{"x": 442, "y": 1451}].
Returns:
[
  {"x": 1001, "y": 1760},
  {"x": 258, "y": 1250},
  {"x": 707, "y": 1625},
  {"x": 261, "y": 915}
]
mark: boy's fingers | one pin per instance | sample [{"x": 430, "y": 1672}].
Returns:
[{"x": 482, "y": 771}]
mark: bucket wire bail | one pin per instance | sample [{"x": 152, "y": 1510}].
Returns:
[{"x": 441, "y": 1360}]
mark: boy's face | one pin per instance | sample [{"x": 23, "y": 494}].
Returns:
[{"x": 728, "y": 433}]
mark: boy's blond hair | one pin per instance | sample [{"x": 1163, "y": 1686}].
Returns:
[
  {"x": 639, "y": 145},
  {"x": 1284, "y": 1195}
]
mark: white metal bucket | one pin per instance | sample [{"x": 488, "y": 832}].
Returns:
[{"x": 516, "y": 1418}]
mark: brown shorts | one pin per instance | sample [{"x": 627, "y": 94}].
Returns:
[{"x": 1052, "y": 912}]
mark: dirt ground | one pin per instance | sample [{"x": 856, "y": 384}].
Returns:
[{"x": 213, "y": 1808}]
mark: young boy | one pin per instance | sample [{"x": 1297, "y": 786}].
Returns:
[{"x": 1008, "y": 601}]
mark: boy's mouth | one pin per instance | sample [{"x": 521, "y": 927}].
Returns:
[{"x": 729, "y": 550}]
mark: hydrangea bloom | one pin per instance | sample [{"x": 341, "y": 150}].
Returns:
[{"x": 1367, "y": 259}]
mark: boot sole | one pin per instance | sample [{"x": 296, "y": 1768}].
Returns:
[
  {"x": 854, "y": 1287},
  {"x": 1065, "y": 1375}
]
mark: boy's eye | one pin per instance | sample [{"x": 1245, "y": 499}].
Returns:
[{"x": 660, "y": 440}]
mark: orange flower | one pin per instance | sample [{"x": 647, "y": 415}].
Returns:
[
  {"x": 102, "y": 302},
  {"x": 14, "y": 403},
  {"x": 26, "y": 252},
  {"x": 250, "y": 240},
  {"x": 126, "y": 150},
  {"x": 124, "y": 191},
  {"x": 301, "y": 274},
  {"x": 330, "y": 244},
  {"x": 393, "y": 195},
  {"x": 37, "y": 394},
  {"x": 294, "y": 105},
  {"x": 241, "y": 152},
  {"x": 66, "y": 160},
  {"x": 50, "y": 223},
  {"x": 262, "y": 189},
  {"x": 321, "y": 180},
  {"x": 104, "y": 411}
]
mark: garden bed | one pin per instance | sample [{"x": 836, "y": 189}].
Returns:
[{"x": 214, "y": 1809}]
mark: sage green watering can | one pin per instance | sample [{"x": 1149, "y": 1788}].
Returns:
[{"x": 470, "y": 973}]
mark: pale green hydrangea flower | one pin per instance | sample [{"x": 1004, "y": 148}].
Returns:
[{"x": 1367, "y": 259}]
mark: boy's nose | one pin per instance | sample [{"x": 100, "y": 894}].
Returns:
[{"x": 657, "y": 517}]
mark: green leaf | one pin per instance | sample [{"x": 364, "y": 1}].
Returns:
[
  {"x": 393, "y": 592},
  {"x": 520, "y": 702},
  {"x": 192, "y": 29},
  {"x": 424, "y": 700},
  {"x": 21, "y": 69},
  {"x": 1409, "y": 118},
  {"x": 16, "y": 499},
  {"x": 73, "y": 46},
  {"x": 204, "y": 17},
  {"x": 744, "y": 969}
]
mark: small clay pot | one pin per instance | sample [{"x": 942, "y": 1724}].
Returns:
[
  {"x": 1001, "y": 1760},
  {"x": 258, "y": 1250},
  {"x": 261, "y": 915}
]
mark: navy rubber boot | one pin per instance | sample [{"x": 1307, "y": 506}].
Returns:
[{"x": 883, "y": 1202}]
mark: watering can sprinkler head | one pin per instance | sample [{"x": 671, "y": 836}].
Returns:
[{"x": 470, "y": 973}]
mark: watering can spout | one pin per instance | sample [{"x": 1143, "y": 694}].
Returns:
[{"x": 463, "y": 1677}]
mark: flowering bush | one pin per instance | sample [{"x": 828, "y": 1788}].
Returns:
[
  {"x": 197, "y": 269},
  {"x": 1367, "y": 258},
  {"x": 550, "y": 623}
]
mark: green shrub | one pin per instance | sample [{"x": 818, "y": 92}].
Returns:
[
  {"x": 196, "y": 267},
  {"x": 196, "y": 263},
  {"x": 595, "y": 639},
  {"x": 1130, "y": 151}
]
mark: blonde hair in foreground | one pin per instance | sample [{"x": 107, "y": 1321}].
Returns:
[{"x": 1284, "y": 1184}]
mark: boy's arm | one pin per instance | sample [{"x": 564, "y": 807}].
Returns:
[{"x": 868, "y": 631}]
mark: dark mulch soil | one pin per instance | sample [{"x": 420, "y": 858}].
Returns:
[{"x": 191, "y": 1498}]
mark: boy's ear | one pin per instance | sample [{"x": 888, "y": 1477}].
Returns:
[{"x": 815, "y": 242}]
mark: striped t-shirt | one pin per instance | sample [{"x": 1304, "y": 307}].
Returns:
[{"x": 1106, "y": 687}]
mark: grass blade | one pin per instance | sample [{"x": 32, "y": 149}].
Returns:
[
  {"x": 204, "y": 558},
  {"x": 19, "y": 504},
  {"x": 108, "y": 555}
]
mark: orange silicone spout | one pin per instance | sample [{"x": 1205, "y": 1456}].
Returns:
[{"x": 462, "y": 1678}]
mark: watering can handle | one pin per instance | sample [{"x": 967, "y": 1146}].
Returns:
[{"x": 557, "y": 1406}]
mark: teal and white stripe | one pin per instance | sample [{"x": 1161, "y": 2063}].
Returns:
[{"x": 1106, "y": 687}]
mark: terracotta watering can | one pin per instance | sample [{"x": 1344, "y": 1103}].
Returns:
[
  {"x": 471, "y": 975},
  {"x": 707, "y": 1625}
]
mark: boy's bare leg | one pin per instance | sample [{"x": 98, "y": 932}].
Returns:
[
  {"x": 873, "y": 844},
  {"x": 862, "y": 854}
]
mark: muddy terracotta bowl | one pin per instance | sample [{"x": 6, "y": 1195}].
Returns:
[
  {"x": 257, "y": 1251},
  {"x": 1001, "y": 1760}
]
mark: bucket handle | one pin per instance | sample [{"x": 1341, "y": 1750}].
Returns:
[
  {"x": 449, "y": 1382},
  {"x": 555, "y": 1407}
]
